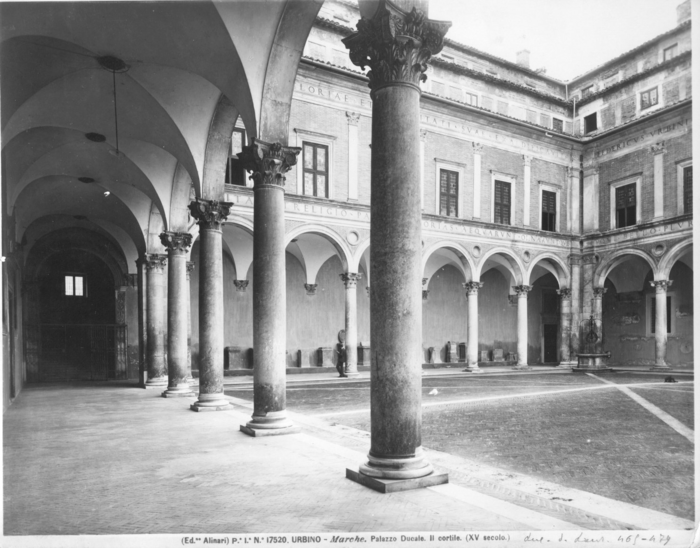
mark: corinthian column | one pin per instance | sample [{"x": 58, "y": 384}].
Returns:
[
  {"x": 178, "y": 295},
  {"x": 473, "y": 325},
  {"x": 522, "y": 291},
  {"x": 660, "y": 327},
  {"x": 269, "y": 162},
  {"x": 350, "y": 280},
  {"x": 396, "y": 45},
  {"x": 210, "y": 214},
  {"x": 565, "y": 327},
  {"x": 190, "y": 268},
  {"x": 157, "y": 369}
]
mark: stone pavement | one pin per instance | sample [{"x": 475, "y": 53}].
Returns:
[{"x": 111, "y": 459}]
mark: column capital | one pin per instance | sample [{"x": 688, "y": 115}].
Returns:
[
  {"x": 658, "y": 148},
  {"x": 472, "y": 287},
  {"x": 311, "y": 289},
  {"x": 189, "y": 267},
  {"x": 396, "y": 45},
  {"x": 564, "y": 293},
  {"x": 209, "y": 213},
  {"x": 661, "y": 285},
  {"x": 572, "y": 171},
  {"x": 522, "y": 290},
  {"x": 598, "y": 292},
  {"x": 176, "y": 241},
  {"x": 353, "y": 118},
  {"x": 477, "y": 148},
  {"x": 350, "y": 279},
  {"x": 575, "y": 260},
  {"x": 268, "y": 162},
  {"x": 590, "y": 258},
  {"x": 241, "y": 285},
  {"x": 527, "y": 160},
  {"x": 591, "y": 170},
  {"x": 423, "y": 135},
  {"x": 155, "y": 261}
]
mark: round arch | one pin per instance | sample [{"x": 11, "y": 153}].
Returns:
[
  {"x": 331, "y": 235},
  {"x": 559, "y": 268},
  {"x": 670, "y": 259},
  {"x": 615, "y": 259},
  {"x": 465, "y": 263},
  {"x": 514, "y": 264}
]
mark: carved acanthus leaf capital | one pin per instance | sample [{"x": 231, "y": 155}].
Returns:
[
  {"x": 176, "y": 241},
  {"x": 473, "y": 287},
  {"x": 241, "y": 285},
  {"x": 477, "y": 148},
  {"x": 209, "y": 213},
  {"x": 598, "y": 292},
  {"x": 564, "y": 292},
  {"x": 522, "y": 290},
  {"x": 353, "y": 118},
  {"x": 350, "y": 279},
  {"x": 311, "y": 289},
  {"x": 268, "y": 161},
  {"x": 661, "y": 286},
  {"x": 658, "y": 148},
  {"x": 527, "y": 160},
  {"x": 571, "y": 171},
  {"x": 395, "y": 45},
  {"x": 155, "y": 261}
]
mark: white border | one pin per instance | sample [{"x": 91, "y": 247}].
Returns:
[
  {"x": 512, "y": 179},
  {"x": 557, "y": 190},
  {"x": 318, "y": 139},
  {"x": 450, "y": 166},
  {"x": 637, "y": 180}
]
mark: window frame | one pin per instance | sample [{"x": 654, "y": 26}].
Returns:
[
  {"x": 561, "y": 121},
  {"x": 317, "y": 139},
  {"x": 75, "y": 275},
  {"x": 637, "y": 181},
  {"x": 504, "y": 178},
  {"x": 460, "y": 169},
  {"x": 586, "y": 131},
  {"x": 315, "y": 171},
  {"x": 471, "y": 99},
  {"x": 233, "y": 157},
  {"x": 641, "y": 100},
  {"x": 680, "y": 167},
  {"x": 674, "y": 48},
  {"x": 651, "y": 309},
  {"x": 588, "y": 90},
  {"x": 546, "y": 187}
]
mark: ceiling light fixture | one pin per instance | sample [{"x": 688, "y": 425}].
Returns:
[{"x": 114, "y": 65}]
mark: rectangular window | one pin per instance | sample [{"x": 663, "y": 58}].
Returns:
[
  {"x": 75, "y": 286},
  {"x": 449, "y": 180},
  {"x": 315, "y": 169},
  {"x": 585, "y": 92},
  {"x": 626, "y": 205},
  {"x": 501, "y": 203},
  {"x": 235, "y": 174},
  {"x": 471, "y": 99},
  {"x": 590, "y": 122},
  {"x": 670, "y": 52},
  {"x": 549, "y": 211},
  {"x": 648, "y": 98},
  {"x": 688, "y": 189},
  {"x": 653, "y": 314},
  {"x": 557, "y": 125}
]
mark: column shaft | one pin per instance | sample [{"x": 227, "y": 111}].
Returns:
[
  {"x": 190, "y": 267},
  {"x": 157, "y": 369},
  {"x": 565, "y": 327},
  {"x": 473, "y": 324},
  {"x": 574, "y": 341},
  {"x": 350, "y": 279},
  {"x": 522, "y": 292},
  {"x": 660, "y": 326}
]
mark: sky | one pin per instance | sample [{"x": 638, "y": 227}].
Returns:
[{"x": 567, "y": 37}]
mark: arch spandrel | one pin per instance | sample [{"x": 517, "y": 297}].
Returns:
[
  {"x": 506, "y": 260},
  {"x": 609, "y": 262},
  {"x": 443, "y": 253},
  {"x": 330, "y": 235},
  {"x": 671, "y": 256},
  {"x": 552, "y": 263}
]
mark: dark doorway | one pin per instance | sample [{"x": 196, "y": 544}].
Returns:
[{"x": 550, "y": 343}]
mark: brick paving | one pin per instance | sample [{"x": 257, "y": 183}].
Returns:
[{"x": 113, "y": 459}]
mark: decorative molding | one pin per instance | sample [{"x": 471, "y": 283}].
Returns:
[
  {"x": 572, "y": 171},
  {"x": 661, "y": 285},
  {"x": 131, "y": 280},
  {"x": 311, "y": 289},
  {"x": 176, "y": 241},
  {"x": 522, "y": 290},
  {"x": 268, "y": 161},
  {"x": 472, "y": 287},
  {"x": 598, "y": 292},
  {"x": 209, "y": 213},
  {"x": 658, "y": 148},
  {"x": 353, "y": 118},
  {"x": 527, "y": 160},
  {"x": 350, "y": 279},
  {"x": 477, "y": 148},
  {"x": 155, "y": 261},
  {"x": 424, "y": 135},
  {"x": 396, "y": 45},
  {"x": 575, "y": 260},
  {"x": 564, "y": 293},
  {"x": 241, "y": 285},
  {"x": 591, "y": 258}
]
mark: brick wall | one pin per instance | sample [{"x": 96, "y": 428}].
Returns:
[
  {"x": 508, "y": 163},
  {"x": 551, "y": 174}
]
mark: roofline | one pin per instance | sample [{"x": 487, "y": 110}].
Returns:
[{"x": 600, "y": 68}]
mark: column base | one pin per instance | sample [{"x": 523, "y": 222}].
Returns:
[
  {"x": 566, "y": 365},
  {"x": 179, "y": 392},
  {"x": 658, "y": 367},
  {"x": 522, "y": 367},
  {"x": 158, "y": 382},
  {"x": 275, "y": 423},
  {"x": 383, "y": 485},
  {"x": 211, "y": 402},
  {"x": 397, "y": 468},
  {"x": 473, "y": 369}
]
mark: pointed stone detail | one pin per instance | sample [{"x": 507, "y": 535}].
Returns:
[
  {"x": 210, "y": 213},
  {"x": 268, "y": 161},
  {"x": 521, "y": 290},
  {"x": 395, "y": 45},
  {"x": 472, "y": 287}
]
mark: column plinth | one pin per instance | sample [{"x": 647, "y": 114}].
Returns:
[
  {"x": 522, "y": 292},
  {"x": 660, "y": 327},
  {"x": 178, "y": 295},
  {"x": 473, "y": 326},
  {"x": 350, "y": 280},
  {"x": 156, "y": 366},
  {"x": 209, "y": 215},
  {"x": 396, "y": 45},
  {"x": 268, "y": 163}
]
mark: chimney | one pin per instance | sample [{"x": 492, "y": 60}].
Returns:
[
  {"x": 683, "y": 12},
  {"x": 523, "y": 57}
]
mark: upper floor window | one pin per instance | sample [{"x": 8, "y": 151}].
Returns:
[
  {"x": 235, "y": 174},
  {"x": 557, "y": 125},
  {"x": 501, "y": 202},
  {"x": 549, "y": 211},
  {"x": 449, "y": 181},
  {"x": 75, "y": 285},
  {"x": 626, "y": 205},
  {"x": 315, "y": 169},
  {"x": 471, "y": 99},
  {"x": 590, "y": 122},
  {"x": 585, "y": 92},
  {"x": 648, "y": 98},
  {"x": 688, "y": 189},
  {"x": 670, "y": 52}
]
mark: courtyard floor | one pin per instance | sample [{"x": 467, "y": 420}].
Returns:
[{"x": 544, "y": 450}]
